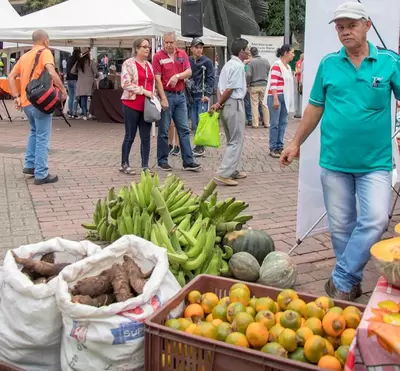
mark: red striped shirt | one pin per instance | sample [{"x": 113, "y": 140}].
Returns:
[{"x": 277, "y": 81}]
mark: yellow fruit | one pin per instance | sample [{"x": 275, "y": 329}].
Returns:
[
  {"x": 253, "y": 302},
  {"x": 239, "y": 286},
  {"x": 314, "y": 324},
  {"x": 267, "y": 318},
  {"x": 205, "y": 330},
  {"x": 336, "y": 310},
  {"x": 333, "y": 340},
  {"x": 216, "y": 322},
  {"x": 240, "y": 295},
  {"x": 194, "y": 297},
  {"x": 315, "y": 348},
  {"x": 313, "y": 310},
  {"x": 342, "y": 353},
  {"x": 352, "y": 309},
  {"x": 287, "y": 338},
  {"x": 257, "y": 334},
  {"x": 275, "y": 349},
  {"x": 223, "y": 330},
  {"x": 329, "y": 363},
  {"x": 285, "y": 297},
  {"x": 329, "y": 347},
  {"x": 209, "y": 318},
  {"x": 389, "y": 306},
  {"x": 298, "y": 355},
  {"x": 241, "y": 321},
  {"x": 352, "y": 319},
  {"x": 278, "y": 316},
  {"x": 224, "y": 301},
  {"x": 325, "y": 303},
  {"x": 208, "y": 301},
  {"x": 233, "y": 309},
  {"x": 333, "y": 324},
  {"x": 237, "y": 338},
  {"x": 251, "y": 311},
  {"x": 347, "y": 336},
  {"x": 191, "y": 329},
  {"x": 165, "y": 363},
  {"x": 274, "y": 333},
  {"x": 290, "y": 319},
  {"x": 173, "y": 323},
  {"x": 299, "y": 306},
  {"x": 302, "y": 335},
  {"x": 265, "y": 303},
  {"x": 184, "y": 323},
  {"x": 194, "y": 311},
  {"x": 219, "y": 312}
]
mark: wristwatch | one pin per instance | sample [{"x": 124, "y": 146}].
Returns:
[{"x": 178, "y": 76}]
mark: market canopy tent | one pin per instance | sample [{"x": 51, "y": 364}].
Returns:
[
  {"x": 101, "y": 23},
  {"x": 9, "y": 16}
]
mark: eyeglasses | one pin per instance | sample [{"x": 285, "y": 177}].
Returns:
[{"x": 145, "y": 47}]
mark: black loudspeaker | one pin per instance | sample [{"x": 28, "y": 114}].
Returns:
[{"x": 192, "y": 18}]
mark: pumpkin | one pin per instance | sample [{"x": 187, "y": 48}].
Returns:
[
  {"x": 255, "y": 242},
  {"x": 387, "y": 258},
  {"x": 244, "y": 266},
  {"x": 278, "y": 270}
]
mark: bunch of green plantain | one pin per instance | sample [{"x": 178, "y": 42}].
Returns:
[{"x": 189, "y": 227}]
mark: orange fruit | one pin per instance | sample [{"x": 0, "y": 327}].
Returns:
[
  {"x": 278, "y": 316},
  {"x": 303, "y": 321},
  {"x": 208, "y": 301},
  {"x": 329, "y": 363},
  {"x": 224, "y": 301},
  {"x": 253, "y": 302},
  {"x": 223, "y": 330},
  {"x": 194, "y": 311},
  {"x": 194, "y": 297},
  {"x": 313, "y": 310},
  {"x": 336, "y": 310},
  {"x": 237, "y": 338},
  {"x": 347, "y": 336},
  {"x": 173, "y": 323},
  {"x": 315, "y": 348},
  {"x": 302, "y": 335},
  {"x": 325, "y": 303},
  {"x": 299, "y": 306},
  {"x": 274, "y": 333},
  {"x": 352, "y": 309},
  {"x": 251, "y": 311},
  {"x": 241, "y": 321},
  {"x": 267, "y": 318},
  {"x": 342, "y": 353},
  {"x": 265, "y": 303},
  {"x": 333, "y": 324},
  {"x": 209, "y": 318},
  {"x": 314, "y": 324},
  {"x": 333, "y": 340},
  {"x": 329, "y": 348},
  {"x": 191, "y": 329},
  {"x": 216, "y": 322},
  {"x": 352, "y": 319},
  {"x": 285, "y": 297},
  {"x": 233, "y": 309},
  {"x": 287, "y": 338},
  {"x": 240, "y": 295},
  {"x": 275, "y": 349},
  {"x": 290, "y": 319},
  {"x": 205, "y": 330},
  {"x": 184, "y": 323},
  {"x": 219, "y": 312},
  {"x": 257, "y": 334}
]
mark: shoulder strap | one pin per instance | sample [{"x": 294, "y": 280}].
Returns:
[{"x": 36, "y": 63}]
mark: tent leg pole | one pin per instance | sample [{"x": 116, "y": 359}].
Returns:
[
  {"x": 394, "y": 203},
  {"x": 300, "y": 240}
]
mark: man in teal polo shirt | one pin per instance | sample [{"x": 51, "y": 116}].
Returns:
[{"x": 352, "y": 94}]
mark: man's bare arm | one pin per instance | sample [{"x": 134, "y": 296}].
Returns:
[
  {"x": 159, "y": 87},
  {"x": 56, "y": 78},
  {"x": 186, "y": 74},
  {"x": 12, "y": 76}
]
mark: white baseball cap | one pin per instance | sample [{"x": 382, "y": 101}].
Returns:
[{"x": 350, "y": 10}]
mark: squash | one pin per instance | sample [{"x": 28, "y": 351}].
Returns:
[
  {"x": 244, "y": 266},
  {"x": 278, "y": 270},
  {"x": 255, "y": 242},
  {"x": 387, "y": 258}
]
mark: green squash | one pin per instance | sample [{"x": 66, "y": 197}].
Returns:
[
  {"x": 278, "y": 270},
  {"x": 244, "y": 266},
  {"x": 255, "y": 242}
]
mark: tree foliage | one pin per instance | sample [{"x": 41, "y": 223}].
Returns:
[{"x": 35, "y": 5}]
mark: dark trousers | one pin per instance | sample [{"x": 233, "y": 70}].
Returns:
[{"x": 134, "y": 119}]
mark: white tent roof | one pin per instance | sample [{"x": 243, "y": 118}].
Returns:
[
  {"x": 9, "y": 15},
  {"x": 101, "y": 23}
]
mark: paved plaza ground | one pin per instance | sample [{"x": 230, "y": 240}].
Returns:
[{"x": 86, "y": 159}]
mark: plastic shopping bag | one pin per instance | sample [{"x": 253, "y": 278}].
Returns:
[
  {"x": 30, "y": 320},
  {"x": 112, "y": 337},
  {"x": 207, "y": 133}
]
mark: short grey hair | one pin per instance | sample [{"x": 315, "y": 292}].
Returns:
[
  {"x": 39, "y": 35},
  {"x": 171, "y": 33}
]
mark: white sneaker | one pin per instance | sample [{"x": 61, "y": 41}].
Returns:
[
  {"x": 84, "y": 118},
  {"x": 90, "y": 116}
]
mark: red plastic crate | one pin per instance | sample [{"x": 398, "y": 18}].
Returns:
[
  {"x": 7, "y": 367},
  {"x": 170, "y": 350}
]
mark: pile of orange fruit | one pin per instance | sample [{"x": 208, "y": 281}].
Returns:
[{"x": 317, "y": 332}]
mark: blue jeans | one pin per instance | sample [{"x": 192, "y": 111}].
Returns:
[
  {"x": 37, "y": 149},
  {"x": 247, "y": 109},
  {"x": 176, "y": 111},
  {"x": 353, "y": 235},
  {"x": 196, "y": 108},
  {"x": 83, "y": 99},
  {"x": 72, "y": 103},
  {"x": 278, "y": 119},
  {"x": 133, "y": 120}
]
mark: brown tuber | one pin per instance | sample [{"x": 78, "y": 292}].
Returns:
[
  {"x": 93, "y": 286},
  {"x": 99, "y": 301},
  {"x": 40, "y": 267},
  {"x": 49, "y": 258},
  {"x": 135, "y": 275},
  {"x": 120, "y": 283}
]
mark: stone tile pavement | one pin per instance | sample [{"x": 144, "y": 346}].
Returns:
[{"x": 86, "y": 159}]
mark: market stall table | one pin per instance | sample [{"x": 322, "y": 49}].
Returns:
[
  {"x": 377, "y": 343},
  {"x": 4, "y": 91},
  {"x": 106, "y": 105}
]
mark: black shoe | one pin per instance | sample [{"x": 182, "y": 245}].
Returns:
[
  {"x": 198, "y": 151},
  {"x": 334, "y": 293},
  {"x": 275, "y": 154},
  {"x": 49, "y": 179},
  {"x": 28, "y": 171},
  {"x": 176, "y": 151},
  {"x": 192, "y": 167},
  {"x": 170, "y": 148},
  {"x": 165, "y": 167}
]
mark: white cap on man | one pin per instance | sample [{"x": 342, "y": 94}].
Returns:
[{"x": 350, "y": 10}]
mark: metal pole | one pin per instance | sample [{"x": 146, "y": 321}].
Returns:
[
  {"x": 287, "y": 21},
  {"x": 176, "y": 6}
]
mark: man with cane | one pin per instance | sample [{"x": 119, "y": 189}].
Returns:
[{"x": 200, "y": 85}]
